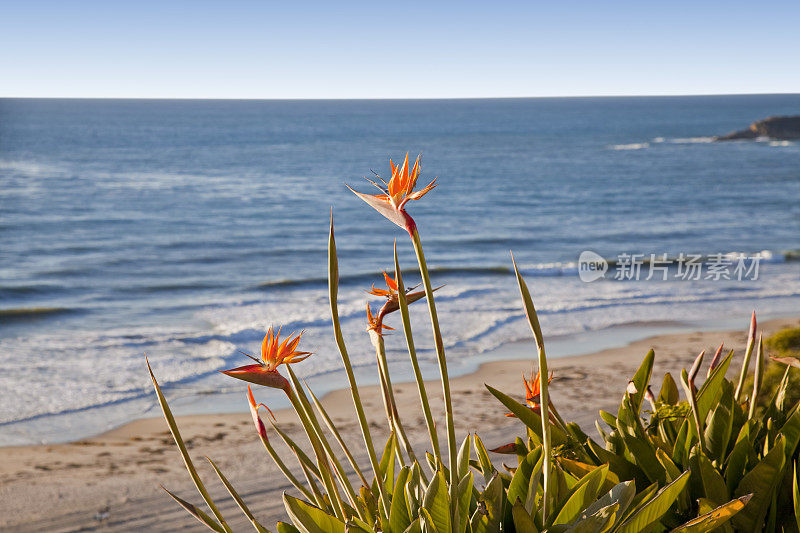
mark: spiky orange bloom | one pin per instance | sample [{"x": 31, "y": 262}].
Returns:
[
  {"x": 388, "y": 293},
  {"x": 396, "y": 193},
  {"x": 533, "y": 391},
  {"x": 375, "y": 323},
  {"x": 392, "y": 298},
  {"x": 273, "y": 354}
]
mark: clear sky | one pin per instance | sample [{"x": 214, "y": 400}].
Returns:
[{"x": 343, "y": 49}]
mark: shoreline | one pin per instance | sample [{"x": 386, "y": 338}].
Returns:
[
  {"x": 83, "y": 424},
  {"x": 114, "y": 478}
]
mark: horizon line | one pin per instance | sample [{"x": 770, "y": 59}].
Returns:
[{"x": 421, "y": 98}]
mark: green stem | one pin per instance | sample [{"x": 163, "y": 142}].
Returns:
[
  {"x": 338, "y": 436},
  {"x": 394, "y": 419},
  {"x": 387, "y": 403},
  {"x": 440, "y": 355},
  {"x": 333, "y": 288},
  {"x": 544, "y": 393},
  {"x": 284, "y": 469},
  {"x": 311, "y": 417},
  {"x": 292, "y": 445},
  {"x": 412, "y": 354},
  {"x": 321, "y": 503},
  {"x": 322, "y": 460}
]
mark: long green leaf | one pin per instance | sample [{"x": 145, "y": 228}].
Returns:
[
  {"x": 310, "y": 519},
  {"x": 600, "y": 521},
  {"x": 691, "y": 396},
  {"x": 523, "y": 522},
  {"x": 761, "y": 482},
  {"x": 544, "y": 395},
  {"x": 708, "y": 395},
  {"x": 436, "y": 502},
  {"x": 238, "y": 499},
  {"x": 718, "y": 431},
  {"x": 487, "y": 469},
  {"x": 466, "y": 489},
  {"x": 621, "y": 467},
  {"x": 680, "y": 453},
  {"x": 176, "y": 434},
  {"x": 487, "y": 518},
  {"x": 399, "y": 519},
  {"x": 387, "y": 464},
  {"x": 463, "y": 456},
  {"x": 737, "y": 459},
  {"x": 582, "y": 495},
  {"x": 673, "y": 473},
  {"x": 518, "y": 489},
  {"x": 791, "y": 430},
  {"x": 621, "y": 495},
  {"x": 638, "y": 442},
  {"x": 714, "y": 518},
  {"x": 669, "y": 391},
  {"x": 314, "y": 433},
  {"x": 654, "y": 508},
  {"x": 298, "y": 451},
  {"x": 751, "y": 339},
  {"x": 758, "y": 377},
  {"x": 714, "y": 487},
  {"x": 197, "y": 513}
]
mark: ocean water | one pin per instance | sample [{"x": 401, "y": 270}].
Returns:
[{"x": 182, "y": 229}]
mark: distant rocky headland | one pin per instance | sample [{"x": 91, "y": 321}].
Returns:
[{"x": 772, "y": 127}]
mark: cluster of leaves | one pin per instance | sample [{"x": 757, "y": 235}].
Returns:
[
  {"x": 582, "y": 495},
  {"x": 728, "y": 457}
]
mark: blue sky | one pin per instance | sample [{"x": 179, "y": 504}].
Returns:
[{"x": 298, "y": 49}]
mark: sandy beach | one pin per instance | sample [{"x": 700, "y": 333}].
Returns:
[{"x": 111, "y": 482}]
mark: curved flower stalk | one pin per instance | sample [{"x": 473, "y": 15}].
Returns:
[
  {"x": 375, "y": 327},
  {"x": 402, "y": 303},
  {"x": 397, "y": 192}
]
